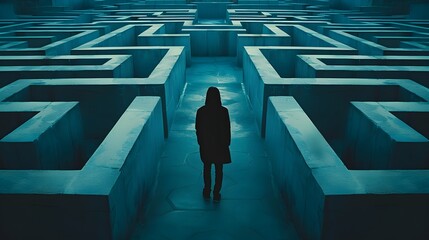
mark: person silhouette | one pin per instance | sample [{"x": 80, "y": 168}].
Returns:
[{"x": 213, "y": 131}]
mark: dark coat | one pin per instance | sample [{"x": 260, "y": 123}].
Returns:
[{"x": 213, "y": 133}]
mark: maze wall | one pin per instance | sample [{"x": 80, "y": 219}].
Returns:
[
  {"x": 88, "y": 96},
  {"x": 342, "y": 102},
  {"x": 86, "y": 99}
]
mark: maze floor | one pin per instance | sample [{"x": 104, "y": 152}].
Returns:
[
  {"x": 329, "y": 109},
  {"x": 250, "y": 207}
]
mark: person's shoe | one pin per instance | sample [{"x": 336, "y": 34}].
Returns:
[
  {"x": 206, "y": 194},
  {"x": 216, "y": 197}
]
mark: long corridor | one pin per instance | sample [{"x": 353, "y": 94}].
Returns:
[{"x": 250, "y": 207}]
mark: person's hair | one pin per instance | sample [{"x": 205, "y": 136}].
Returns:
[{"x": 213, "y": 97}]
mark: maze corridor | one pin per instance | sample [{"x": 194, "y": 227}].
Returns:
[
  {"x": 250, "y": 208},
  {"x": 328, "y": 101}
]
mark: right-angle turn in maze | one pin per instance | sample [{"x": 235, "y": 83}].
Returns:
[{"x": 339, "y": 90}]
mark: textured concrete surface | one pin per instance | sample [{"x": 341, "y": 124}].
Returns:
[
  {"x": 250, "y": 207},
  {"x": 53, "y": 204},
  {"x": 364, "y": 176},
  {"x": 329, "y": 201}
]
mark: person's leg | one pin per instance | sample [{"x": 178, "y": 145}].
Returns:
[
  {"x": 218, "y": 181},
  {"x": 207, "y": 180}
]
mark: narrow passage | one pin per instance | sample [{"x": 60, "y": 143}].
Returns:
[{"x": 250, "y": 207}]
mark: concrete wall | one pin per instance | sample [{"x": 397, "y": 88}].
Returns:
[
  {"x": 416, "y": 8},
  {"x": 211, "y": 10},
  {"x": 350, "y": 4},
  {"x": 256, "y": 1},
  {"x": 35, "y": 6},
  {"x": 278, "y": 63},
  {"x": 160, "y": 2},
  {"x": 213, "y": 42},
  {"x": 51, "y": 139},
  {"x": 157, "y": 35},
  {"x": 327, "y": 200},
  {"x": 19, "y": 67},
  {"x": 419, "y": 11},
  {"x": 76, "y": 4},
  {"x": 102, "y": 200},
  {"x": 386, "y": 144},
  {"x": 40, "y": 42},
  {"x": 7, "y": 10}
]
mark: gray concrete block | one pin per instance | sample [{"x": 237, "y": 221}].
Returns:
[
  {"x": 13, "y": 68},
  {"x": 327, "y": 199},
  {"x": 96, "y": 201},
  {"x": 51, "y": 139}
]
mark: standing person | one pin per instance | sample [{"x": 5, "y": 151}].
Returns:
[{"x": 214, "y": 136}]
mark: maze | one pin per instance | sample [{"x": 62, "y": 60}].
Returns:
[{"x": 87, "y": 98}]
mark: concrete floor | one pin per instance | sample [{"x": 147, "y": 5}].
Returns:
[{"x": 250, "y": 207}]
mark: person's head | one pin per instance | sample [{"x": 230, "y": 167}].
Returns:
[{"x": 213, "y": 97}]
